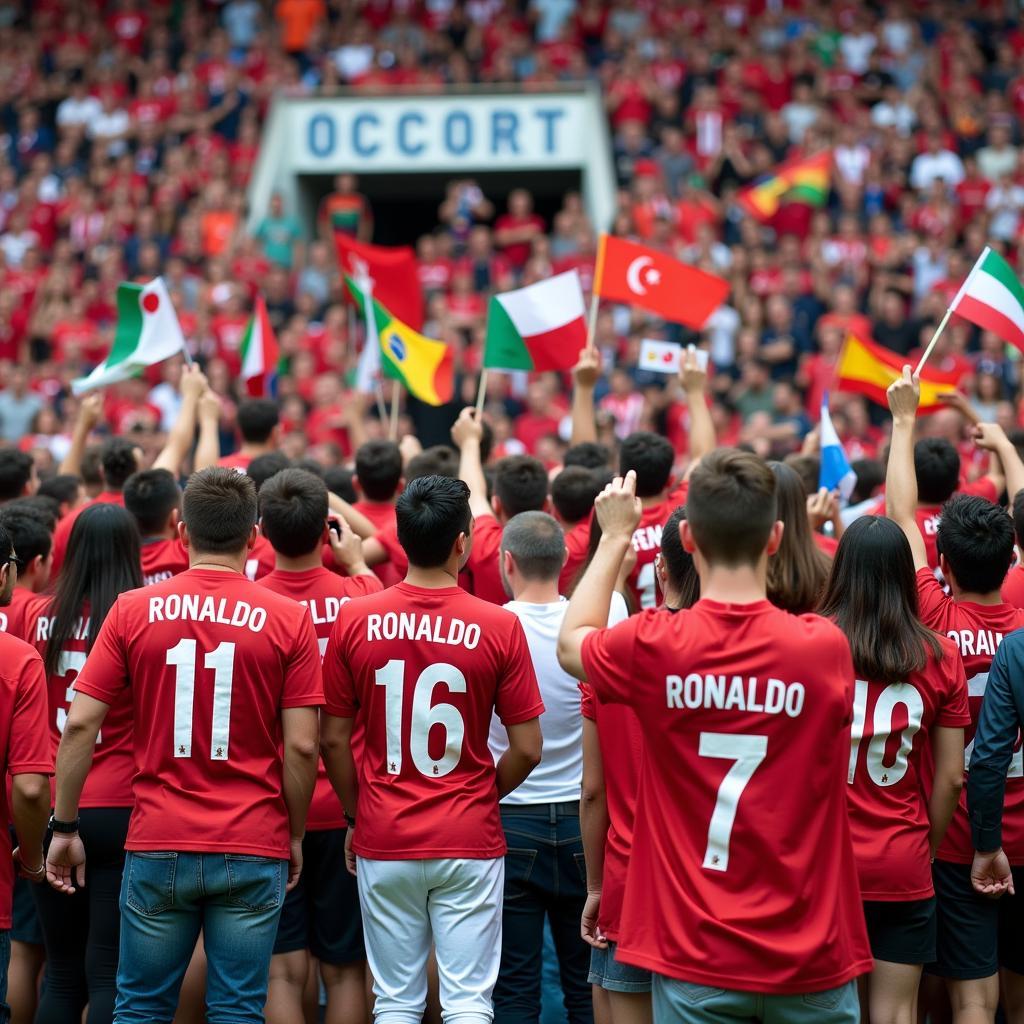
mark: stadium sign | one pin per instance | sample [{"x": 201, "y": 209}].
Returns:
[{"x": 447, "y": 133}]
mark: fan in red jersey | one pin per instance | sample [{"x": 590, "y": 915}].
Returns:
[
  {"x": 976, "y": 935},
  {"x": 910, "y": 698},
  {"x": 223, "y": 683},
  {"x": 18, "y": 476},
  {"x": 321, "y": 914},
  {"x": 258, "y": 422},
  {"x": 154, "y": 500},
  {"x": 428, "y": 665},
  {"x": 378, "y": 479},
  {"x": 31, "y": 532},
  {"x": 1012, "y": 590},
  {"x": 27, "y": 758},
  {"x": 741, "y": 808},
  {"x": 81, "y": 932}
]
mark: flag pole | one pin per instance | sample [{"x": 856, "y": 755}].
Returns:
[
  {"x": 481, "y": 394},
  {"x": 382, "y": 409},
  {"x": 595, "y": 291},
  {"x": 393, "y": 430},
  {"x": 952, "y": 309}
]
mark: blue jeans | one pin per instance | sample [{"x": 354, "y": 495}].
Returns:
[
  {"x": 166, "y": 898},
  {"x": 5, "y": 962},
  {"x": 545, "y": 879}
]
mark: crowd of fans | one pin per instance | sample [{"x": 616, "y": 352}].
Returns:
[{"x": 129, "y": 134}]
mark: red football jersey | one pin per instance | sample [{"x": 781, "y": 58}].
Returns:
[
  {"x": 977, "y": 630},
  {"x": 888, "y": 813},
  {"x": 741, "y": 831},
  {"x": 577, "y": 544},
  {"x": 109, "y": 782},
  {"x": 1013, "y": 587},
  {"x": 382, "y": 516},
  {"x": 208, "y": 661},
  {"x": 323, "y": 592},
  {"x": 428, "y": 669},
  {"x": 235, "y": 461},
  {"x": 63, "y": 532},
  {"x": 483, "y": 564},
  {"x": 622, "y": 750},
  {"x": 14, "y": 617},
  {"x": 261, "y": 560},
  {"x": 162, "y": 559},
  {"x": 642, "y": 581}
]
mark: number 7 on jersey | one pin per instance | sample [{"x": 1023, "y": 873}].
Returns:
[{"x": 746, "y": 753}]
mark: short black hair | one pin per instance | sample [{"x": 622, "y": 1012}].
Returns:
[
  {"x": 263, "y": 467},
  {"x": 937, "y": 467},
  {"x": 90, "y": 468},
  {"x": 151, "y": 495},
  {"x": 6, "y": 546},
  {"x": 257, "y": 418},
  {"x": 219, "y": 510},
  {"x": 1018, "y": 516},
  {"x": 808, "y": 468},
  {"x": 31, "y": 533},
  {"x": 439, "y": 460},
  {"x": 15, "y": 472},
  {"x": 117, "y": 456},
  {"x": 651, "y": 456},
  {"x": 41, "y": 505},
  {"x": 310, "y": 465},
  {"x": 589, "y": 454},
  {"x": 520, "y": 484},
  {"x": 339, "y": 482},
  {"x": 976, "y": 538},
  {"x": 430, "y": 514},
  {"x": 293, "y": 510},
  {"x": 62, "y": 488},
  {"x": 379, "y": 469},
  {"x": 870, "y": 475},
  {"x": 573, "y": 492}
]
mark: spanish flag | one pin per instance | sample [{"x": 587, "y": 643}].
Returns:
[
  {"x": 806, "y": 180},
  {"x": 423, "y": 365},
  {"x": 869, "y": 369}
]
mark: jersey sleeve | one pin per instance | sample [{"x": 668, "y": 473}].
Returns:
[
  {"x": 955, "y": 712},
  {"x": 105, "y": 675},
  {"x": 588, "y": 707},
  {"x": 486, "y": 540},
  {"x": 607, "y": 657},
  {"x": 933, "y": 604},
  {"x": 361, "y": 586},
  {"x": 303, "y": 682},
  {"x": 29, "y": 750},
  {"x": 518, "y": 695},
  {"x": 340, "y": 697}
]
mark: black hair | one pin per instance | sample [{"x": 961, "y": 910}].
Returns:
[
  {"x": 90, "y": 468},
  {"x": 1018, "y": 516},
  {"x": 219, "y": 510},
  {"x": 870, "y": 476},
  {"x": 310, "y": 466},
  {"x": 589, "y": 454},
  {"x": 430, "y": 514},
  {"x": 573, "y": 492},
  {"x": 102, "y": 561},
  {"x": 808, "y": 468},
  {"x": 651, "y": 456},
  {"x": 678, "y": 562},
  {"x": 63, "y": 488},
  {"x": 31, "y": 532},
  {"x": 379, "y": 468},
  {"x": 871, "y": 595},
  {"x": 263, "y": 467},
  {"x": 15, "y": 473},
  {"x": 43, "y": 508},
  {"x": 520, "y": 484},
  {"x": 151, "y": 496},
  {"x": 257, "y": 418},
  {"x": 976, "y": 538},
  {"x": 6, "y": 545},
  {"x": 440, "y": 460},
  {"x": 937, "y": 467},
  {"x": 339, "y": 482},
  {"x": 293, "y": 510},
  {"x": 117, "y": 456}
]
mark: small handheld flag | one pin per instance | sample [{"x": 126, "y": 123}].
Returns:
[
  {"x": 805, "y": 180},
  {"x": 666, "y": 356},
  {"x": 835, "y": 474},
  {"x": 993, "y": 298},
  {"x": 260, "y": 353}
]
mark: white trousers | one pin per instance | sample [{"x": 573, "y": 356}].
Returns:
[{"x": 454, "y": 904}]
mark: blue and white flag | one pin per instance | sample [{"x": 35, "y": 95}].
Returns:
[{"x": 835, "y": 473}]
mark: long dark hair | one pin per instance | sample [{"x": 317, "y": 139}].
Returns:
[
  {"x": 594, "y": 540},
  {"x": 871, "y": 595},
  {"x": 102, "y": 561},
  {"x": 678, "y": 561},
  {"x": 798, "y": 570}
]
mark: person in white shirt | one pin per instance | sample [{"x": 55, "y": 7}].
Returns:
[
  {"x": 79, "y": 108},
  {"x": 936, "y": 164},
  {"x": 544, "y": 866}
]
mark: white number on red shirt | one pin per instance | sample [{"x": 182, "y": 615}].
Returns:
[
  {"x": 425, "y": 716},
  {"x": 70, "y": 661},
  {"x": 222, "y": 661},
  {"x": 976, "y": 687},
  {"x": 747, "y": 752},
  {"x": 879, "y": 772},
  {"x": 645, "y": 584}
]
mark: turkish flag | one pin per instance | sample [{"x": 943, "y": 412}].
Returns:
[
  {"x": 639, "y": 276},
  {"x": 392, "y": 274}
]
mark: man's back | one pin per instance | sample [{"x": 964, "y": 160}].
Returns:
[
  {"x": 211, "y": 660},
  {"x": 743, "y": 710},
  {"x": 428, "y": 667}
]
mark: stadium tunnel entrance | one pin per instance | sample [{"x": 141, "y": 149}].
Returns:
[{"x": 405, "y": 206}]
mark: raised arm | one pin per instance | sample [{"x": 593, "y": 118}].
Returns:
[
  {"x": 182, "y": 434},
  {"x": 208, "y": 446},
  {"x": 360, "y": 525},
  {"x": 703, "y": 439},
  {"x": 900, "y": 476},
  {"x": 90, "y": 413},
  {"x": 992, "y": 438},
  {"x": 466, "y": 433},
  {"x": 585, "y": 376}
]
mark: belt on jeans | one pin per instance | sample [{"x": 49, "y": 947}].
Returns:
[{"x": 568, "y": 809}]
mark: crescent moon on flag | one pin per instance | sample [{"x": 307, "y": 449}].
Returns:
[{"x": 635, "y": 274}]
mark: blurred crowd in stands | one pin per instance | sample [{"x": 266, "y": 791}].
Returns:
[{"x": 129, "y": 130}]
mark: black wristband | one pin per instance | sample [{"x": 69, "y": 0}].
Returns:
[
  {"x": 63, "y": 827},
  {"x": 350, "y": 819}
]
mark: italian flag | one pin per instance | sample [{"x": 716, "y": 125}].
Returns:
[
  {"x": 540, "y": 327},
  {"x": 993, "y": 298},
  {"x": 147, "y": 332},
  {"x": 260, "y": 353}
]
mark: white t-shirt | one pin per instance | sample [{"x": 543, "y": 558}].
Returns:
[{"x": 558, "y": 777}]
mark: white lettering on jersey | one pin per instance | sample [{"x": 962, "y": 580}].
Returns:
[
  {"x": 433, "y": 628},
  {"x": 192, "y": 607},
  {"x": 156, "y": 577},
  {"x": 44, "y": 626},
  {"x": 734, "y": 693},
  {"x": 647, "y": 538},
  {"x": 329, "y": 611},
  {"x": 976, "y": 642}
]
